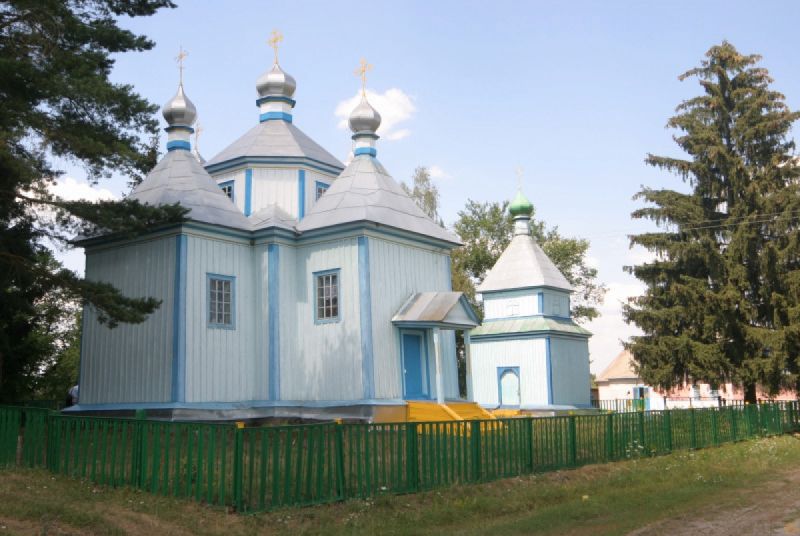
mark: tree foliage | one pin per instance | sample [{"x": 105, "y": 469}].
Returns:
[
  {"x": 722, "y": 300},
  {"x": 486, "y": 230},
  {"x": 58, "y": 105},
  {"x": 424, "y": 193}
]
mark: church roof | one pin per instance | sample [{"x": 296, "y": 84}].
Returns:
[
  {"x": 437, "y": 309},
  {"x": 523, "y": 264},
  {"x": 366, "y": 192},
  {"x": 275, "y": 139},
  {"x": 621, "y": 368},
  {"x": 272, "y": 216},
  {"x": 180, "y": 178},
  {"x": 527, "y": 325}
]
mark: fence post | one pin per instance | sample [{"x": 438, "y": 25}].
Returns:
[
  {"x": 138, "y": 465},
  {"x": 339, "y": 453},
  {"x": 734, "y": 426},
  {"x": 573, "y": 442},
  {"x": 529, "y": 430},
  {"x": 792, "y": 426},
  {"x": 640, "y": 419},
  {"x": 475, "y": 442},
  {"x": 412, "y": 456},
  {"x": 693, "y": 432},
  {"x": 714, "y": 428},
  {"x": 609, "y": 437},
  {"x": 748, "y": 420},
  {"x": 238, "y": 457},
  {"x": 668, "y": 429}
]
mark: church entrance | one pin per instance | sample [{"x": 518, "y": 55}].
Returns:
[
  {"x": 415, "y": 364},
  {"x": 508, "y": 386}
]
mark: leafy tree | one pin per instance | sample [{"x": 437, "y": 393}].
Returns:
[
  {"x": 722, "y": 301},
  {"x": 58, "y": 105},
  {"x": 486, "y": 230},
  {"x": 424, "y": 193}
]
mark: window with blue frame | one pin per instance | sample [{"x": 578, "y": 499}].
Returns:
[
  {"x": 227, "y": 188},
  {"x": 327, "y": 294},
  {"x": 321, "y": 189},
  {"x": 221, "y": 301}
]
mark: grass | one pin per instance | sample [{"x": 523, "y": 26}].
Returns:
[{"x": 601, "y": 499}]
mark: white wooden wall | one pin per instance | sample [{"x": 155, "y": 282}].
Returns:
[
  {"x": 511, "y": 303},
  {"x": 530, "y": 355},
  {"x": 569, "y": 359}
]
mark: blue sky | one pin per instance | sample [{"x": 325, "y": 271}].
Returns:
[{"x": 575, "y": 93}]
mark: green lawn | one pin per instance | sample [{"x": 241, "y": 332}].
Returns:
[{"x": 601, "y": 499}]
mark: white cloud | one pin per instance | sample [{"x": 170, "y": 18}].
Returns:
[
  {"x": 610, "y": 330},
  {"x": 438, "y": 173},
  {"x": 394, "y": 105},
  {"x": 69, "y": 189}
]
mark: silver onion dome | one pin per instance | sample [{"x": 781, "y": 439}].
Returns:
[
  {"x": 276, "y": 82},
  {"x": 364, "y": 118},
  {"x": 180, "y": 110}
]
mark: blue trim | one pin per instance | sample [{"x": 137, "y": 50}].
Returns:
[
  {"x": 301, "y": 201},
  {"x": 232, "y": 184},
  {"x": 242, "y": 161},
  {"x": 232, "y": 279},
  {"x": 273, "y": 325},
  {"x": 549, "y": 365},
  {"x": 501, "y": 371},
  {"x": 179, "y": 321},
  {"x": 365, "y": 305},
  {"x": 178, "y": 144},
  {"x": 248, "y": 191},
  {"x": 365, "y": 150},
  {"x": 273, "y": 116},
  {"x": 540, "y": 298},
  {"x": 320, "y": 185},
  {"x": 314, "y": 276},
  {"x": 275, "y": 98},
  {"x": 424, "y": 362}
]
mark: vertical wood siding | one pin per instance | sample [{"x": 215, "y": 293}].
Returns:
[
  {"x": 221, "y": 364},
  {"x": 530, "y": 355},
  {"x": 132, "y": 362},
  {"x": 556, "y": 303},
  {"x": 570, "y": 362},
  {"x": 502, "y": 304},
  {"x": 312, "y": 177},
  {"x": 238, "y": 186},
  {"x": 398, "y": 271},
  {"x": 320, "y": 361},
  {"x": 275, "y": 186}
]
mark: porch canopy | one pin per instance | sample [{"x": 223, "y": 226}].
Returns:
[
  {"x": 443, "y": 310},
  {"x": 437, "y": 311}
]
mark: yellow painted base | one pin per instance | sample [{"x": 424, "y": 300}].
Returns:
[{"x": 429, "y": 411}]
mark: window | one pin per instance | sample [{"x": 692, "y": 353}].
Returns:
[
  {"x": 327, "y": 287},
  {"x": 321, "y": 189},
  {"x": 220, "y": 301},
  {"x": 513, "y": 309},
  {"x": 227, "y": 188}
]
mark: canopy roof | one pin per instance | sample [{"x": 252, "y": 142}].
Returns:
[{"x": 447, "y": 310}]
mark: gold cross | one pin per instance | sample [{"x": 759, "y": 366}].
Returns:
[
  {"x": 519, "y": 178},
  {"x": 179, "y": 58},
  {"x": 362, "y": 72},
  {"x": 274, "y": 40}
]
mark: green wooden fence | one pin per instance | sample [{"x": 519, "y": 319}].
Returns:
[{"x": 258, "y": 468}]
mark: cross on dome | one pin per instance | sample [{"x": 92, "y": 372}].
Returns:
[
  {"x": 361, "y": 72},
  {"x": 179, "y": 58},
  {"x": 275, "y": 38}
]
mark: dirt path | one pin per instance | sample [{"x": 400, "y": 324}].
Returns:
[{"x": 772, "y": 508}]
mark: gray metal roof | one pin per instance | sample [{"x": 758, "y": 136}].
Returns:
[
  {"x": 272, "y": 216},
  {"x": 527, "y": 325},
  {"x": 366, "y": 192},
  {"x": 523, "y": 264},
  {"x": 179, "y": 178},
  {"x": 278, "y": 139},
  {"x": 438, "y": 309}
]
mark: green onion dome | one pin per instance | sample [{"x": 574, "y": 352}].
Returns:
[{"x": 520, "y": 206}]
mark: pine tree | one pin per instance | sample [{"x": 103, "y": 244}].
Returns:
[
  {"x": 722, "y": 300},
  {"x": 58, "y": 104}
]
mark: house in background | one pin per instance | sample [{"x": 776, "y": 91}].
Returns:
[
  {"x": 298, "y": 287},
  {"x": 529, "y": 354},
  {"x": 620, "y": 388}
]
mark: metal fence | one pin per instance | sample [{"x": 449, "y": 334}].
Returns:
[{"x": 258, "y": 468}]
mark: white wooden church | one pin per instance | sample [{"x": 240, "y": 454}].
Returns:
[{"x": 298, "y": 287}]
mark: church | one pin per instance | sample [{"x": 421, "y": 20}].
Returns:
[{"x": 298, "y": 287}]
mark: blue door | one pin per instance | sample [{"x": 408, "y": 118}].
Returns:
[{"x": 413, "y": 362}]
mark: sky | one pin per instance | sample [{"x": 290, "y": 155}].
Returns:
[{"x": 576, "y": 94}]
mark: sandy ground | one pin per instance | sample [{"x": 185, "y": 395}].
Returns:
[{"x": 771, "y": 509}]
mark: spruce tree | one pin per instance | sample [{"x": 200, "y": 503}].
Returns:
[{"x": 722, "y": 299}]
